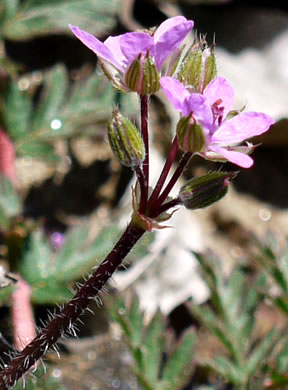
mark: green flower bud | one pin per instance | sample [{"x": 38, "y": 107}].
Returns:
[
  {"x": 133, "y": 75},
  {"x": 191, "y": 136},
  {"x": 202, "y": 191},
  {"x": 151, "y": 79},
  {"x": 125, "y": 140},
  {"x": 198, "y": 67},
  {"x": 143, "y": 76}
]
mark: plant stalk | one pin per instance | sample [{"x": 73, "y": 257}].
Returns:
[
  {"x": 63, "y": 321},
  {"x": 171, "y": 158},
  {"x": 182, "y": 164},
  {"x": 144, "y": 108}
]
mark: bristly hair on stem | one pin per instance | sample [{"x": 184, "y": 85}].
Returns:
[{"x": 61, "y": 322}]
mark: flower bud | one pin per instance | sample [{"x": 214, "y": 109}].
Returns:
[
  {"x": 198, "y": 67},
  {"x": 202, "y": 191},
  {"x": 143, "y": 76},
  {"x": 125, "y": 141},
  {"x": 191, "y": 136}
]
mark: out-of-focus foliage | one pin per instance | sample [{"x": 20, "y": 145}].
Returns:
[
  {"x": 141, "y": 249},
  {"x": 232, "y": 320},
  {"x": 274, "y": 284},
  {"x": 148, "y": 347},
  {"x": 61, "y": 111},
  {"x": 205, "y": 2},
  {"x": 275, "y": 263},
  {"x": 22, "y": 20},
  {"x": 5, "y": 294},
  {"x": 39, "y": 381},
  {"x": 10, "y": 203},
  {"x": 50, "y": 273}
]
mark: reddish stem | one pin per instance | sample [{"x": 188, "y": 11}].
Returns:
[
  {"x": 167, "y": 206},
  {"x": 171, "y": 158},
  {"x": 62, "y": 321},
  {"x": 182, "y": 164},
  {"x": 144, "y": 100},
  {"x": 144, "y": 190}
]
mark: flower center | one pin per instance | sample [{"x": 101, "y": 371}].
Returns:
[{"x": 217, "y": 110}]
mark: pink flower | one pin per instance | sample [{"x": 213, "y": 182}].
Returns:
[
  {"x": 211, "y": 110},
  {"x": 118, "y": 53}
]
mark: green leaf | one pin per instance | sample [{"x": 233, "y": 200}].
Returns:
[
  {"x": 10, "y": 204},
  {"x": 52, "y": 98},
  {"x": 17, "y": 108},
  {"x": 214, "y": 324},
  {"x": 144, "y": 383},
  {"x": 10, "y": 8},
  {"x": 47, "y": 271},
  {"x": 36, "y": 149},
  {"x": 279, "y": 277},
  {"x": 175, "y": 373},
  {"x": 5, "y": 294},
  {"x": 282, "y": 359},
  {"x": 61, "y": 111},
  {"x": 227, "y": 369},
  {"x": 41, "y": 380},
  {"x": 40, "y": 17},
  {"x": 49, "y": 292},
  {"x": 153, "y": 348},
  {"x": 135, "y": 316},
  {"x": 138, "y": 357},
  {"x": 36, "y": 262},
  {"x": 88, "y": 102},
  {"x": 260, "y": 353},
  {"x": 118, "y": 313},
  {"x": 282, "y": 303},
  {"x": 73, "y": 259},
  {"x": 141, "y": 249}
]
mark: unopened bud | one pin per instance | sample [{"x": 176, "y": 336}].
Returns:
[
  {"x": 191, "y": 136},
  {"x": 143, "y": 76},
  {"x": 125, "y": 141},
  {"x": 202, "y": 191},
  {"x": 198, "y": 66}
]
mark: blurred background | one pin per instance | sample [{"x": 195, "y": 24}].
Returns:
[{"x": 67, "y": 198}]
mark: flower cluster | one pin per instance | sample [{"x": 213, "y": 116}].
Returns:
[
  {"x": 126, "y": 59},
  {"x": 136, "y": 62},
  {"x": 221, "y": 128}
]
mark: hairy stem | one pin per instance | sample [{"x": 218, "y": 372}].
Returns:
[{"x": 62, "y": 321}]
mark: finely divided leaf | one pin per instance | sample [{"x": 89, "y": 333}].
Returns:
[
  {"x": 179, "y": 365},
  {"x": 40, "y": 17}
]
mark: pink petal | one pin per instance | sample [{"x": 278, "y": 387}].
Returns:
[
  {"x": 113, "y": 44},
  {"x": 168, "y": 37},
  {"x": 96, "y": 46},
  {"x": 241, "y": 127},
  {"x": 240, "y": 159},
  {"x": 134, "y": 43},
  {"x": 175, "y": 91},
  {"x": 167, "y": 25},
  {"x": 197, "y": 104},
  {"x": 219, "y": 88}
]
